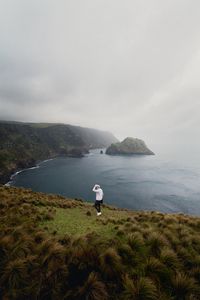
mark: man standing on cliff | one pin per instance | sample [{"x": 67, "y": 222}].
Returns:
[{"x": 99, "y": 198}]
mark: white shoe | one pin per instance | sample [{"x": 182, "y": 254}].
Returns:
[{"x": 99, "y": 213}]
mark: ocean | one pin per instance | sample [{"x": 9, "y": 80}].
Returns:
[{"x": 135, "y": 182}]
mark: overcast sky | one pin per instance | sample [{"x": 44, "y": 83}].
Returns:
[{"x": 128, "y": 66}]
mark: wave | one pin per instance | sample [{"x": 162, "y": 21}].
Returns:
[
  {"x": 44, "y": 161},
  {"x": 18, "y": 172},
  {"x": 88, "y": 154},
  {"x": 32, "y": 168},
  {"x": 9, "y": 183},
  {"x": 15, "y": 174}
]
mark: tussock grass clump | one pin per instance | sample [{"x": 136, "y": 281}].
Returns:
[
  {"x": 184, "y": 287},
  {"x": 156, "y": 242},
  {"x": 57, "y": 248},
  {"x": 14, "y": 277},
  {"x": 169, "y": 258},
  {"x": 110, "y": 263},
  {"x": 141, "y": 289},
  {"x": 92, "y": 289},
  {"x": 88, "y": 213},
  {"x": 156, "y": 270},
  {"x": 135, "y": 228},
  {"x": 195, "y": 273},
  {"x": 126, "y": 253},
  {"x": 136, "y": 242},
  {"x": 120, "y": 231}
]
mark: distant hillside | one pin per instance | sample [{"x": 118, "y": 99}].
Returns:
[
  {"x": 129, "y": 146},
  {"x": 22, "y": 144},
  {"x": 57, "y": 248}
]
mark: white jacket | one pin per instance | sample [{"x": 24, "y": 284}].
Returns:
[{"x": 98, "y": 191}]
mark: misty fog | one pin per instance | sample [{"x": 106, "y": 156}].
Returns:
[{"x": 129, "y": 67}]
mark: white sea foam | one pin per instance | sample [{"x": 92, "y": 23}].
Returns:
[
  {"x": 9, "y": 183},
  {"x": 46, "y": 160},
  {"x": 32, "y": 168},
  {"x": 88, "y": 154},
  {"x": 15, "y": 174}
]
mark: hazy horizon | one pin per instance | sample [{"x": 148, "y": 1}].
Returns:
[{"x": 128, "y": 67}]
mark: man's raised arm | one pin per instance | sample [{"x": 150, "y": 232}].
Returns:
[{"x": 94, "y": 188}]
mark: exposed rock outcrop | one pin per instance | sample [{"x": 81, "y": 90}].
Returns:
[{"x": 129, "y": 146}]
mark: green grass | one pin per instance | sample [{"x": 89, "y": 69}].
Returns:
[
  {"x": 57, "y": 248},
  {"x": 76, "y": 221}
]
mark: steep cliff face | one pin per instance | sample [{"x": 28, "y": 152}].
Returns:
[
  {"x": 22, "y": 144},
  {"x": 129, "y": 146}
]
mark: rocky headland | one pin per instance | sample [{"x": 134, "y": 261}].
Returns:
[
  {"x": 23, "y": 145},
  {"x": 129, "y": 146}
]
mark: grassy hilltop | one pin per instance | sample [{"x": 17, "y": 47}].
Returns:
[{"x": 56, "y": 248}]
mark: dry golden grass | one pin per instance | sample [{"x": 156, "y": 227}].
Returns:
[{"x": 56, "y": 248}]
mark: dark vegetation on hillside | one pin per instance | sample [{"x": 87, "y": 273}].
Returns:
[
  {"x": 22, "y": 145},
  {"x": 149, "y": 255}
]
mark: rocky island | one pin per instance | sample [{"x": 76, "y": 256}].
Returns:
[{"x": 129, "y": 146}]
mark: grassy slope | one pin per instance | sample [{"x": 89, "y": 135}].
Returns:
[
  {"x": 53, "y": 248},
  {"x": 83, "y": 220}
]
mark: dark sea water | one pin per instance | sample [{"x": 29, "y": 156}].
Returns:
[{"x": 136, "y": 182}]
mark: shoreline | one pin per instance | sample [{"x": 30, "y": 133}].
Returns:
[
  {"x": 37, "y": 164},
  {"x": 9, "y": 183},
  {"x": 33, "y": 166}
]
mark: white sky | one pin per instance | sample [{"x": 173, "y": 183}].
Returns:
[{"x": 128, "y": 66}]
